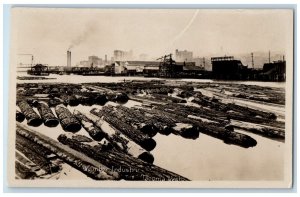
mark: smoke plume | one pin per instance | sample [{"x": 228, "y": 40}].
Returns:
[{"x": 89, "y": 30}]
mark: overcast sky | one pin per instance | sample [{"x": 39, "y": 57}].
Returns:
[{"x": 49, "y": 33}]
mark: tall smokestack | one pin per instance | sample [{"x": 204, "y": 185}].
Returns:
[
  {"x": 105, "y": 59},
  {"x": 69, "y": 59}
]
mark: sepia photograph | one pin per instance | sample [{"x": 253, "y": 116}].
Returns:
[{"x": 151, "y": 98}]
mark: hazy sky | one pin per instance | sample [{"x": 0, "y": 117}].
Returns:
[{"x": 49, "y": 33}]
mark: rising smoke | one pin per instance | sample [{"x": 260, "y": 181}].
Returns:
[{"x": 88, "y": 31}]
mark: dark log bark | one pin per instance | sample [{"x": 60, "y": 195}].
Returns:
[
  {"x": 227, "y": 136},
  {"x": 24, "y": 172},
  {"x": 251, "y": 112},
  {"x": 120, "y": 141},
  {"x": 265, "y": 131},
  {"x": 241, "y": 113},
  {"x": 118, "y": 97},
  {"x": 20, "y": 117},
  {"x": 129, "y": 168},
  {"x": 163, "y": 128},
  {"x": 136, "y": 120},
  {"x": 87, "y": 165},
  {"x": 185, "y": 110},
  {"x": 168, "y": 98},
  {"x": 33, "y": 119},
  {"x": 186, "y": 130},
  {"x": 67, "y": 119},
  {"x": 47, "y": 115},
  {"x": 95, "y": 132},
  {"x": 132, "y": 133},
  {"x": 31, "y": 151}
]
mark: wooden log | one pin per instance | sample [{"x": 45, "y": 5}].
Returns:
[
  {"x": 129, "y": 167},
  {"x": 67, "y": 119},
  {"x": 265, "y": 131},
  {"x": 30, "y": 151},
  {"x": 33, "y": 119},
  {"x": 147, "y": 125},
  {"x": 251, "y": 112},
  {"x": 95, "y": 132},
  {"x": 47, "y": 115},
  {"x": 163, "y": 127},
  {"x": 24, "y": 172},
  {"x": 19, "y": 116},
  {"x": 179, "y": 124},
  {"x": 53, "y": 102},
  {"x": 168, "y": 98},
  {"x": 132, "y": 133},
  {"x": 120, "y": 141},
  {"x": 101, "y": 145},
  {"x": 86, "y": 165},
  {"x": 235, "y": 112},
  {"x": 118, "y": 97},
  {"x": 123, "y": 113},
  {"x": 185, "y": 110},
  {"x": 227, "y": 136}
]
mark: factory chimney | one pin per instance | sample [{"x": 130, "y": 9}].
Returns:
[{"x": 68, "y": 59}]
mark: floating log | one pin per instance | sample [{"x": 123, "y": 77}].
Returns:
[
  {"x": 25, "y": 147},
  {"x": 146, "y": 124},
  {"x": 47, "y": 115},
  {"x": 67, "y": 119},
  {"x": 251, "y": 112},
  {"x": 180, "y": 125},
  {"x": 23, "y": 171},
  {"x": 120, "y": 141},
  {"x": 118, "y": 97},
  {"x": 19, "y": 116},
  {"x": 227, "y": 136},
  {"x": 95, "y": 132},
  {"x": 125, "y": 115},
  {"x": 101, "y": 145},
  {"x": 241, "y": 113},
  {"x": 132, "y": 133},
  {"x": 185, "y": 110},
  {"x": 87, "y": 165},
  {"x": 33, "y": 119},
  {"x": 129, "y": 167},
  {"x": 168, "y": 98},
  {"x": 265, "y": 131},
  {"x": 163, "y": 128}
]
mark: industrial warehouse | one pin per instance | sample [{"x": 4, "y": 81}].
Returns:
[{"x": 223, "y": 68}]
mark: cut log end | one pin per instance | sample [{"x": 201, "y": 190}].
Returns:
[
  {"x": 35, "y": 122},
  {"x": 147, "y": 157},
  {"x": 20, "y": 117},
  {"x": 150, "y": 130},
  {"x": 148, "y": 144},
  {"x": 72, "y": 127},
  {"x": 51, "y": 122}
]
